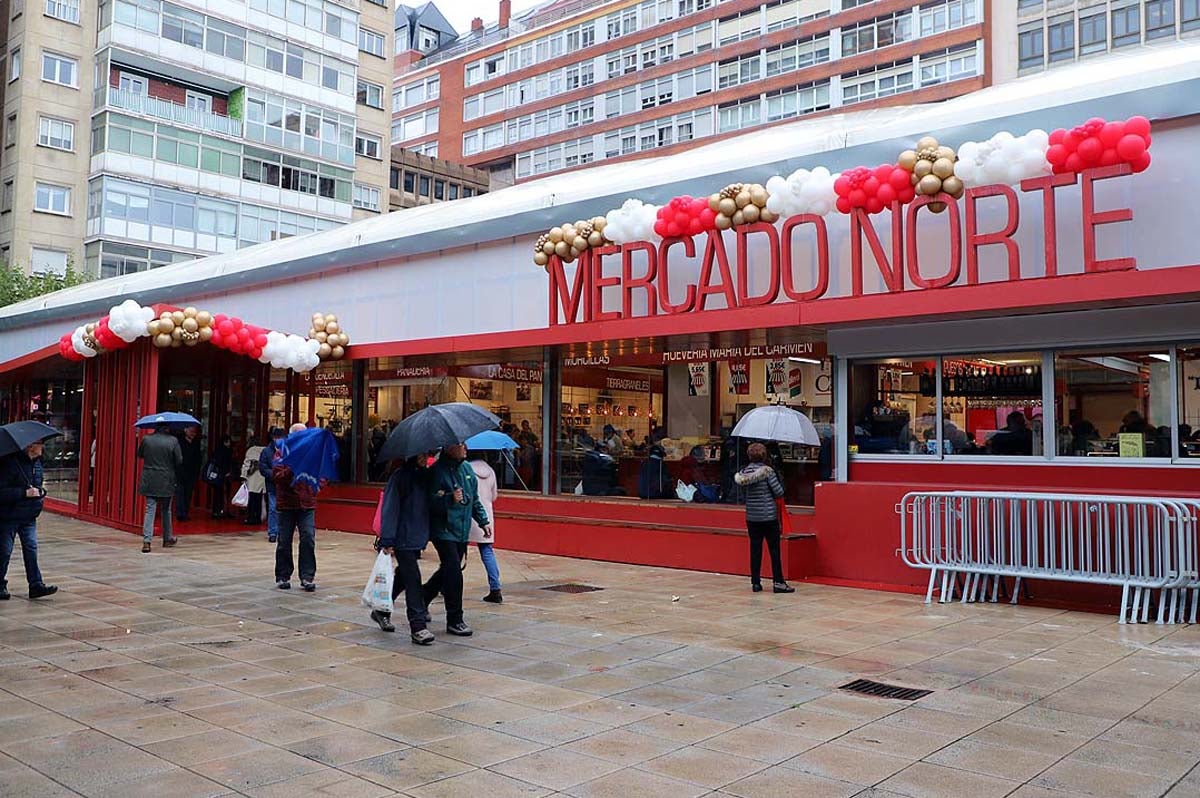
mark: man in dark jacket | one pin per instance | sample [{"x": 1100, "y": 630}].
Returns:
[
  {"x": 161, "y": 459},
  {"x": 21, "y": 494},
  {"x": 403, "y": 532},
  {"x": 453, "y": 502},
  {"x": 266, "y": 467},
  {"x": 296, "y": 509},
  {"x": 193, "y": 460}
]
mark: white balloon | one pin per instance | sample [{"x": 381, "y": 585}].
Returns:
[
  {"x": 633, "y": 221},
  {"x": 1004, "y": 158},
  {"x": 803, "y": 191}
]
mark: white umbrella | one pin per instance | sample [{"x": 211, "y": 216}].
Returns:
[{"x": 777, "y": 423}]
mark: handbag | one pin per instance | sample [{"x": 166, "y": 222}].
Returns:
[
  {"x": 242, "y": 497},
  {"x": 785, "y": 520},
  {"x": 212, "y": 474},
  {"x": 377, "y": 523}
]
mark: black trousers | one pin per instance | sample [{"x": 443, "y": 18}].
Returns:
[
  {"x": 447, "y": 579},
  {"x": 216, "y": 495},
  {"x": 407, "y": 580},
  {"x": 768, "y": 531},
  {"x": 289, "y": 522},
  {"x": 254, "y": 508}
]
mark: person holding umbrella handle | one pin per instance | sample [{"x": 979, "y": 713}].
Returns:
[{"x": 454, "y": 502}]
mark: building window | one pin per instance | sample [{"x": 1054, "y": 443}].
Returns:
[
  {"x": 48, "y": 261},
  {"x": 370, "y": 94},
  {"x": 1093, "y": 34},
  {"x": 366, "y": 197},
  {"x": 1061, "y": 33},
  {"x": 454, "y": 191},
  {"x": 6, "y": 197},
  {"x": 371, "y": 42},
  {"x": 439, "y": 189},
  {"x": 424, "y": 183},
  {"x": 14, "y": 64},
  {"x": 134, "y": 84},
  {"x": 49, "y": 198},
  {"x": 198, "y": 102},
  {"x": 56, "y": 133},
  {"x": 1031, "y": 47},
  {"x": 1126, "y": 26},
  {"x": 10, "y": 130},
  {"x": 368, "y": 146},
  {"x": 66, "y": 10},
  {"x": 59, "y": 69},
  {"x": 1160, "y": 18},
  {"x": 410, "y": 182}
]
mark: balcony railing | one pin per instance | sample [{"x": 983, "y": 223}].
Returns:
[{"x": 173, "y": 112}]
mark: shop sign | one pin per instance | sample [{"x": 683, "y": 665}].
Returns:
[
  {"x": 503, "y": 372},
  {"x": 330, "y": 384},
  {"x": 408, "y": 373},
  {"x": 739, "y": 376},
  {"x": 795, "y": 382},
  {"x": 638, "y": 384},
  {"x": 776, "y": 376},
  {"x": 640, "y": 272},
  {"x": 697, "y": 379},
  {"x": 706, "y": 354}
]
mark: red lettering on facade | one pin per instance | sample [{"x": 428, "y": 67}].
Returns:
[
  {"x": 714, "y": 252},
  {"x": 1093, "y": 218},
  {"x": 893, "y": 271},
  {"x": 1046, "y": 185},
  {"x": 744, "y": 299},
  {"x": 1003, "y": 236},
  {"x": 645, "y": 282},
  {"x": 913, "y": 258},
  {"x": 822, "y": 263},
  {"x": 569, "y": 298},
  {"x": 664, "y": 276},
  {"x": 599, "y": 283}
]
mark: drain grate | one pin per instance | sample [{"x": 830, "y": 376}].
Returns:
[
  {"x": 573, "y": 587},
  {"x": 881, "y": 690}
]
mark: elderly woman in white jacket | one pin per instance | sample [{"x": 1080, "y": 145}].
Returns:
[
  {"x": 256, "y": 484},
  {"x": 488, "y": 490}
]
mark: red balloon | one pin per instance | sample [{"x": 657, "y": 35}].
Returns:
[
  {"x": 243, "y": 334},
  {"x": 1056, "y": 136},
  {"x": 1110, "y": 158},
  {"x": 694, "y": 227},
  {"x": 858, "y": 198},
  {"x": 216, "y": 339},
  {"x": 225, "y": 327},
  {"x": 1074, "y": 163},
  {"x": 1142, "y": 163},
  {"x": 260, "y": 340},
  {"x": 899, "y": 178},
  {"x": 907, "y": 194},
  {"x": 1095, "y": 121},
  {"x": 883, "y": 172},
  {"x": 1070, "y": 140},
  {"x": 1111, "y": 133},
  {"x": 256, "y": 352},
  {"x": 871, "y": 185},
  {"x": 874, "y": 205},
  {"x": 1057, "y": 155},
  {"x": 236, "y": 322},
  {"x": 1090, "y": 149},
  {"x": 843, "y": 204},
  {"x": 660, "y": 228},
  {"x": 674, "y": 230},
  {"x": 841, "y": 186},
  {"x": 1137, "y": 126},
  {"x": 698, "y": 205},
  {"x": 886, "y": 194},
  {"x": 681, "y": 218},
  {"x": 1131, "y": 147},
  {"x": 708, "y": 218}
]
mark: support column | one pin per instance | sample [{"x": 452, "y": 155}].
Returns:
[{"x": 551, "y": 397}]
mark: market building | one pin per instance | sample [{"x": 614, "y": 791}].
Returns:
[{"x": 1039, "y": 333}]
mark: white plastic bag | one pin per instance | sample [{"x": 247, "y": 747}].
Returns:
[
  {"x": 242, "y": 497},
  {"x": 377, "y": 595},
  {"x": 684, "y": 491},
  {"x": 579, "y": 488}
]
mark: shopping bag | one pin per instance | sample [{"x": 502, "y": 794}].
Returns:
[
  {"x": 378, "y": 593},
  {"x": 377, "y": 524},
  {"x": 685, "y": 491},
  {"x": 785, "y": 520},
  {"x": 242, "y": 497}
]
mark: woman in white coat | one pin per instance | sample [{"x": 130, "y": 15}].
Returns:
[
  {"x": 256, "y": 484},
  {"x": 488, "y": 490}
]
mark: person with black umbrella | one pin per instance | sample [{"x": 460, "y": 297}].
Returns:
[
  {"x": 403, "y": 532},
  {"x": 21, "y": 494}
]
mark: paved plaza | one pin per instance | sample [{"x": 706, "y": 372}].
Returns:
[{"x": 186, "y": 673}]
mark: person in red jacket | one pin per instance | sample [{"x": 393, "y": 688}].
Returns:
[{"x": 295, "y": 508}]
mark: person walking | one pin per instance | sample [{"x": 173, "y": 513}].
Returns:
[
  {"x": 21, "y": 494},
  {"x": 255, "y": 484},
  {"x": 403, "y": 532},
  {"x": 192, "y": 448},
  {"x": 296, "y": 509},
  {"x": 266, "y": 467},
  {"x": 217, "y": 473},
  {"x": 762, "y": 487},
  {"x": 453, "y": 502},
  {"x": 483, "y": 540},
  {"x": 162, "y": 458}
]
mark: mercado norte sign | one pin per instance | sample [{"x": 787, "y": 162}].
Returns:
[{"x": 817, "y": 235}]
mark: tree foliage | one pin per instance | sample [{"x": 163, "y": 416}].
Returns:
[{"x": 17, "y": 286}]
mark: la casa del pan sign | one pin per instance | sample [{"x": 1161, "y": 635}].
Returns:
[{"x": 990, "y": 233}]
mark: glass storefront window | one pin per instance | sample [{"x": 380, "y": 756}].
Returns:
[
  {"x": 1115, "y": 403},
  {"x": 992, "y": 404},
  {"x": 1189, "y": 401},
  {"x": 56, "y": 399},
  {"x": 324, "y": 396},
  {"x": 893, "y": 406}
]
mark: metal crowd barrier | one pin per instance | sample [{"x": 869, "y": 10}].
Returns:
[{"x": 1141, "y": 544}]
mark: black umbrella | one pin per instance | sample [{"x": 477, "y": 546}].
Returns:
[
  {"x": 18, "y": 435},
  {"x": 436, "y": 426}
]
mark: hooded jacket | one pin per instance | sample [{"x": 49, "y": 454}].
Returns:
[
  {"x": 762, "y": 488},
  {"x": 448, "y": 519},
  {"x": 404, "y": 520},
  {"x": 17, "y": 474},
  {"x": 488, "y": 491}
]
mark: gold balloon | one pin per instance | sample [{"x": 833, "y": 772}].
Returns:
[
  {"x": 599, "y": 223},
  {"x": 190, "y": 313},
  {"x": 548, "y": 247},
  {"x": 728, "y": 206},
  {"x": 562, "y": 248},
  {"x": 739, "y": 218},
  {"x": 953, "y": 186},
  {"x": 943, "y": 167},
  {"x": 928, "y": 142},
  {"x": 937, "y": 207},
  {"x": 166, "y": 314},
  {"x": 166, "y": 325},
  {"x": 758, "y": 195},
  {"x": 345, "y": 339},
  {"x": 177, "y": 334},
  {"x": 324, "y": 351},
  {"x": 191, "y": 341},
  {"x": 908, "y": 159},
  {"x": 176, "y": 343},
  {"x": 190, "y": 324},
  {"x": 321, "y": 336},
  {"x": 595, "y": 239},
  {"x": 330, "y": 317},
  {"x": 90, "y": 328},
  {"x": 914, "y": 179},
  {"x": 541, "y": 258},
  {"x": 579, "y": 243},
  {"x": 204, "y": 318},
  {"x": 770, "y": 217},
  {"x": 332, "y": 327},
  {"x": 206, "y": 333},
  {"x": 568, "y": 232},
  {"x": 742, "y": 199},
  {"x": 714, "y": 202},
  {"x": 556, "y": 234},
  {"x": 946, "y": 152},
  {"x": 152, "y": 327},
  {"x": 162, "y": 340},
  {"x": 923, "y": 168},
  {"x": 337, "y": 353},
  {"x": 573, "y": 253},
  {"x": 723, "y": 222},
  {"x": 750, "y": 213},
  {"x": 930, "y": 184},
  {"x": 177, "y": 317}
]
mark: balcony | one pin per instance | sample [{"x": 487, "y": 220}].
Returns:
[{"x": 173, "y": 112}]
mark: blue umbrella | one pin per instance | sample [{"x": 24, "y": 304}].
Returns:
[
  {"x": 312, "y": 455},
  {"x": 170, "y": 419},
  {"x": 20, "y": 434},
  {"x": 491, "y": 439}
]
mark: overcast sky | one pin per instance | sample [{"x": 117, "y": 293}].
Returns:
[{"x": 461, "y": 12}]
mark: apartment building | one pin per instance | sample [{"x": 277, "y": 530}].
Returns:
[
  {"x": 1034, "y": 35},
  {"x": 418, "y": 179},
  {"x": 139, "y": 133},
  {"x": 574, "y": 82}
]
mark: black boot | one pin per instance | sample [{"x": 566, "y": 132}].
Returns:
[
  {"x": 4, "y": 594},
  {"x": 783, "y": 587},
  {"x": 41, "y": 590},
  {"x": 494, "y": 597}
]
